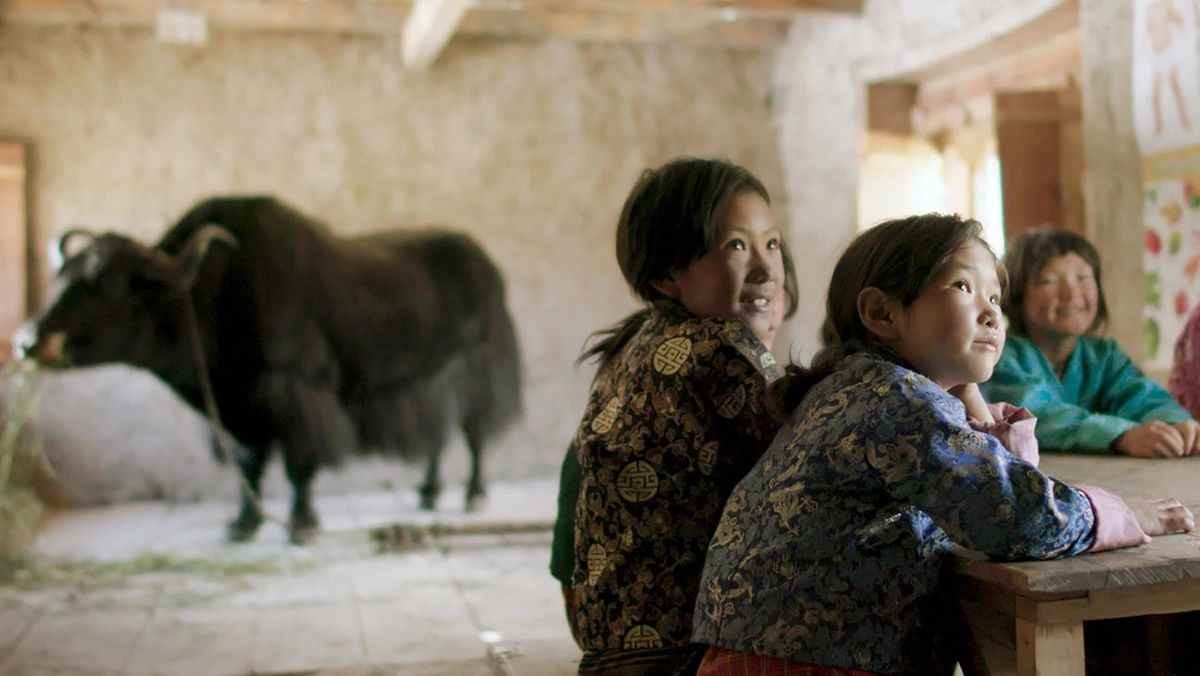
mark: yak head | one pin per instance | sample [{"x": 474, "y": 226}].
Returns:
[{"x": 116, "y": 300}]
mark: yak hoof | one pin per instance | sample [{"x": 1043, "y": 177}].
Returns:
[
  {"x": 301, "y": 535},
  {"x": 303, "y": 527},
  {"x": 243, "y": 528},
  {"x": 428, "y": 498},
  {"x": 476, "y": 503}
]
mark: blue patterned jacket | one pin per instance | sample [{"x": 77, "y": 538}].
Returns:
[{"x": 830, "y": 550}]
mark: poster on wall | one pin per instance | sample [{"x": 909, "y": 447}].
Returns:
[
  {"x": 1166, "y": 116},
  {"x": 1171, "y": 261},
  {"x": 1166, "y": 75}
]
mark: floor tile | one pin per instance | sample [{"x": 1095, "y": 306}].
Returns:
[
  {"x": 429, "y": 626},
  {"x": 191, "y": 641},
  {"x": 97, "y": 641},
  {"x": 15, "y": 620},
  {"x": 307, "y": 587},
  {"x": 394, "y": 576},
  {"x": 307, "y": 637},
  {"x": 480, "y": 667}
]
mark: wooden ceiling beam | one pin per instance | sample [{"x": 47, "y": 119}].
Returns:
[
  {"x": 1052, "y": 65},
  {"x": 617, "y": 28},
  {"x": 386, "y": 18},
  {"x": 761, "y": 9},
  {"x": 319, "y": 15}
]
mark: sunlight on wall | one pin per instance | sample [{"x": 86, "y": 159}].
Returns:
[
  {"x": 989, "y": 202},
  {"x": 901, "y": 176}
]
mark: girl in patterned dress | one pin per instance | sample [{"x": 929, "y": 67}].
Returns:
[
  {"x": 679, "y": 409},
  {"x": 562, "y": 545},
  {"x": 828, "y": 555}
]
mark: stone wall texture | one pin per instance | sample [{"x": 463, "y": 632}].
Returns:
[{"x": 529, "y": 146}]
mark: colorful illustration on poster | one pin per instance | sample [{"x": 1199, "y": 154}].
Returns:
[{"x": 1166, "y": 74}]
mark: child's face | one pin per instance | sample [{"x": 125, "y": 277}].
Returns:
[
  {"x": 952, "y": 332},
  {"x": 1062, "y": 299},
  {"x": 742, "y": 275}
]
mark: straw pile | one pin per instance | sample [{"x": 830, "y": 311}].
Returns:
[{"x": 21, "y": 460}]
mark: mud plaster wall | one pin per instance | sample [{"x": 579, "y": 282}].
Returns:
[
  {"x": 1113, "y": 181},
  {"x": 531, "y": 147},
  {"x": 821, "y": 76}
]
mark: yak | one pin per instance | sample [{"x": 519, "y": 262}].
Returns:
[{"x": 296, "y": 338}]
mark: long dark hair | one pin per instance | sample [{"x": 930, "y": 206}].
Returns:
[
  {"x": 669, "y": 220},
  {"x": 1027, "y": 256},
  {"x": 898, "y": 257}
]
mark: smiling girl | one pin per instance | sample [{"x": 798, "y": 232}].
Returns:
[
  {"x": 1086, "y": 392},
  {"x": 679, "y": 409}
]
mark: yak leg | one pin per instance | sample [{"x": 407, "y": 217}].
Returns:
[
  {"x": 431, "y": 487},
  {"x": 303, "y": 524},
  {"x": 314, "y": 429},
  {"x": 476, "y": 493},
  {"x": 252, "y": 461}
]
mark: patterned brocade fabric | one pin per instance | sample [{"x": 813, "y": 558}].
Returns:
[
  {"x": 721, "y": 662},
  {"x": 672, "y": 423},
  {"x": 829, "y": 552}
]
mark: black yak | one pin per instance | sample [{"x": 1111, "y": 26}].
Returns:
[{"x": 323, "y": 345}]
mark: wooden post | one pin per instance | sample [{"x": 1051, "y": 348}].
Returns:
[
  {"x": 13, "y": 282},
  {"x": 1028, "y": 144},
  {"x": 1049, "y": 649}
]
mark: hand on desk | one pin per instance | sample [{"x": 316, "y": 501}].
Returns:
[
  {"x": 1158, "y": 439},
  {"x": 1128, "y": 523},
  {"x": 1161, "y": 516}
]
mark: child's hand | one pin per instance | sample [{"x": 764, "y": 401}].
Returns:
[
  {"x": 1154, "y": 439},
  {"x": 1190, "y": 431},
  {"x": 1162, "y": 515},
  {"x": 972, "y": 399}
]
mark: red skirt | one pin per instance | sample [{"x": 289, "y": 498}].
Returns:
[{"x": 722, "y": 662}]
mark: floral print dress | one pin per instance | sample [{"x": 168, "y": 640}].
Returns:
[
  {"x": 672, "y": 423},
  {"x": 829, "y": 551}
]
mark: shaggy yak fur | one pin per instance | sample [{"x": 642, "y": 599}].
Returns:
[{"x": 321, "y": 345}]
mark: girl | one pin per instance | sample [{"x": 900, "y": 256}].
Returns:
[
  {"x": 678, "y": 410},
  {"x": 562, "y": 545},
  {"x": 828, "y": 554},
  {"x": 1087, "y": 394}
]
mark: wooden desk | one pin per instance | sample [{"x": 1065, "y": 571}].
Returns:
[{"x": 1037, "y": 609}]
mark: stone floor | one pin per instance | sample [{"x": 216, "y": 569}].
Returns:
[{"x": 153, "y": 588}]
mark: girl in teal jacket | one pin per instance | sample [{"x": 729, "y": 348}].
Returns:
[{"x": 1086, "y": 392}]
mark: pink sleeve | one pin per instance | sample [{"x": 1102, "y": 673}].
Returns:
[
  {"x": 1014, "y": 428},
  {"x": 1116, "y": 525}
]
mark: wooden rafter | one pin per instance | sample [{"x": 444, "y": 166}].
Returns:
[
  {"x": 778, "y": 9},
  {"x": 726, "y": 23}
]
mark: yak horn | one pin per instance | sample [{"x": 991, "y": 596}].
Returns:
[
  {"x": 189, "y": 261},
  {"x": 64, "y": 243}
]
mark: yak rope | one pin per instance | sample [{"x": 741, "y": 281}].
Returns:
[{"x": 214, "y": 415}]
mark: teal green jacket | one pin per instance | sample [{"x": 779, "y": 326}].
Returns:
[{"x": 1101, "y": 395}]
